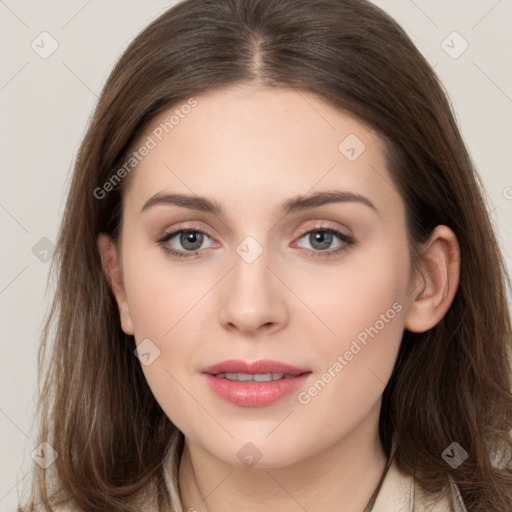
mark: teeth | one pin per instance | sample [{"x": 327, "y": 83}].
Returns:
[{"x": 258, "y": 377}]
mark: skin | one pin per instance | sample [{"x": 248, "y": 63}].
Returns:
[{"x": 251, "y": 148}]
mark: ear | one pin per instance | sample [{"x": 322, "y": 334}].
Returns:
[
  {"x": 436, "y": 282},
  {"x": 110, "y": 262}
]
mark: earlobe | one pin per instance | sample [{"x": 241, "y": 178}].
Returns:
[
  {"x": 112, "y": 269},
  {"x": 436, "y": 281}
]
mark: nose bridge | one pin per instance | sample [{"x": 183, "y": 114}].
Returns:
[{"x": 253, "y": 297}]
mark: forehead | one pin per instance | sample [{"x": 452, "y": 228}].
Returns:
[{"x": 253, "y": 143}]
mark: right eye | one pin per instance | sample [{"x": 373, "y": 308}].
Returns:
[{"x": 190, "y": 239}]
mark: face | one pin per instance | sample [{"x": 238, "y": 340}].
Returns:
[{"x": 317, "y": 284}]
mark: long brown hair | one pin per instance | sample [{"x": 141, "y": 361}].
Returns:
[{"x": 450, "y": 384}]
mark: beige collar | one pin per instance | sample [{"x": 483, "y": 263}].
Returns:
[{"x": 400, "y": 493}]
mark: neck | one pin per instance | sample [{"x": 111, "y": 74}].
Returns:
[{"x": 342, "y": 476}]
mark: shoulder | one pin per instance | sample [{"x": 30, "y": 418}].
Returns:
[{"x": 400, "y": 493}]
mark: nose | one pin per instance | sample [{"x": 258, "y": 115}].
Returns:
[{"x": 253, "y": 299}]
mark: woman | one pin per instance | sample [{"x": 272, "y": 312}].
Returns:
[{"x": 365, "y": 370}]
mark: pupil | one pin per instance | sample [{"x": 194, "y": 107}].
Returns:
[
  {"x": 322, "y": 238},
  {"x": 191, "y": 238}
]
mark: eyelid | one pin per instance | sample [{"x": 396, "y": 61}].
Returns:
[
  {"x": 168, "y": 235},
  {"x": 320, "y": 226}
]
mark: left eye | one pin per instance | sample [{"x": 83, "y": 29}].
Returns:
[{"x": 321, "y": 239}]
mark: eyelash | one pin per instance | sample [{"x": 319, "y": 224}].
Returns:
[{"x": 348, "y": 241}]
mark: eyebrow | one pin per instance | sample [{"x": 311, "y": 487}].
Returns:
[{"x": 293, "y": 205}]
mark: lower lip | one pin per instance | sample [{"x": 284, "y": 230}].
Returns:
[{"x": 255, "y": 394}]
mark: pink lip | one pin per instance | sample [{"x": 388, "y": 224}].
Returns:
[
  {"x": 251, "y": 393},
  {"x": 255, "y": 394},
  {"x": 262, "y": 366}
]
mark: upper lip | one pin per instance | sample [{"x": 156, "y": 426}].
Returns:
[{"x": 261, "y": 366}]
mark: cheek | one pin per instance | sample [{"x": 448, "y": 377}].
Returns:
[
  {"x": 167, "y": 304},
  {"x": 367, "y": 287},
  {"x": 162, "y": 294},
  {"x": 364, "y": 304}
]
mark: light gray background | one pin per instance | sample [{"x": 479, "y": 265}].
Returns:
[{"x": 45, "y": 107}]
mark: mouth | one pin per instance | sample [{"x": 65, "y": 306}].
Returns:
[
  {"x": 256, "y": 377},
  {"x": 259, "y": 369},
  {"x": 254, "y": 384}
]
